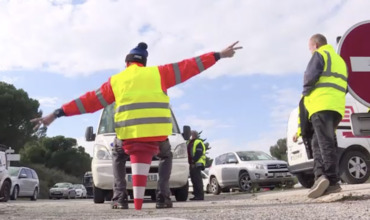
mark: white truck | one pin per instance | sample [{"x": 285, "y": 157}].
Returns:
[
  {"x": 5, "y": 180},
  {"x": 101, "y": 165},
  {"x": 353, "y": 132}
]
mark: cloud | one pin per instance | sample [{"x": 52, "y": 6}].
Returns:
[
  {"x": 48, "y": 101},
  {"x": 9, "y": 79},
  {"x": 175, "y": 92},
  {"x": 81, "y": 39}
]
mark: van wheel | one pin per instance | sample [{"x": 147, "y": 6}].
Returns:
[
  {"x": 306, "y": 180},
  {"x": 99, "y": 195},
  {"x": 5, "y": 191},
  {"x": 245, "y": 183},
  {"x": 215, "y": 189},
  {"x": 181, "y": 194},
  {"x": 14, "y": 195},
  {"x": 354, "y": 167}
]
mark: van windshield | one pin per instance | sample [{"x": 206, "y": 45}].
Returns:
[{"x": 106, "y": 124}]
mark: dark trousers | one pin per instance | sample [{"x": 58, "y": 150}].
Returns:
[
  {"x": 324, "y": 144},
  {"x": 119, "y": 158},
  {"x": 196, "y": 179}
]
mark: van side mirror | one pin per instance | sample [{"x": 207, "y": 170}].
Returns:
[
  {"x": 186, "y": 132},
  {"x": 89, "y": 134}
]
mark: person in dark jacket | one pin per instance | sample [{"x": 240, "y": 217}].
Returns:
[{"x": 197, "y": 161}]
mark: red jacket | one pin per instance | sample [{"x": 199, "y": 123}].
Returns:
[{"x": 95, "y": 100}]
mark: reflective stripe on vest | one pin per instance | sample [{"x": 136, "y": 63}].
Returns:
[
  {"x": 142, "y": 108},
  {"x": 202, "y": 159},
  {"x": 80, "y": 106},
  {"x": 101, "y": 99},
  {"x": 330, "y": 89},
  {"x": 177, "y": 71},
  {"x": 328, "y": 73}
]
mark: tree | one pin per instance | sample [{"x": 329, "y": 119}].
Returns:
[
  {"x": 279, "y": 150},
  {"x": 16, "y": 111},
  {"x": 58, "y": 152}
]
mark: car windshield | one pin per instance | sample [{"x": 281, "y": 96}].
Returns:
[
  {"x": 13, "y": 171},
  {"x": 106, "y": 124},
  {"x": 253, "y": 155},
  {"x": 61, "y": 185}
]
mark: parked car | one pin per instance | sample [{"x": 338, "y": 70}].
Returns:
[
  {"x": 25, "y": 183},
  {"x": 5, "y": 180},
  {"x": 81, "y": 191},
  {"x": 246, "y": 170},
  {"x": 205, "y": 183},
  {"x": 62, "y": 190}
]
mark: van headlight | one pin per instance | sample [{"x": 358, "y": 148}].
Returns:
[
  {"x": 180, "y": 151},
  {"x": 101, "y": 153}
]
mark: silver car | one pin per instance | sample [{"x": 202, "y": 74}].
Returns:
[
  {"x": 80, "y": 191},
  {"x": 62, "y": 190},
  {"x": 246, "y": 170},
  {"x": 25, "y": 183}
]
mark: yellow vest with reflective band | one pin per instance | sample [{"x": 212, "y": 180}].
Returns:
[
  {"x": 141, "y": 108},
  {"x": 202, "y": 159},
  {"x": 330, "y": 90}
]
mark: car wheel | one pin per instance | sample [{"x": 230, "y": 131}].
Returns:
[
  {"x": 34, "y": 196},
  {"x": 215, "y": 189},
  {"x": 208, "y": 188},
  {"x": 354, "y": 167},
  {"x": 306, "y": 180},
  {"x": 245, "y": 183},
  {"x": 14, "y": 195},
  {"x": 68, "y": 196},
  {"x": 99, "y": 195},
  {"x": 181, "y": 194},
  {"x": 5, "y": 191}
]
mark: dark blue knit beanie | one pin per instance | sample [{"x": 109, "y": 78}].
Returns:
[{"x": 138, "y": 54}]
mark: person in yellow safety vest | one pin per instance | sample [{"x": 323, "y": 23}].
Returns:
[
  {"x": 142, "y": 115},
  {"x": 305, "y": 129},
  {"x": 197, "y": 162},
  {"x": 324, "y": 91}
]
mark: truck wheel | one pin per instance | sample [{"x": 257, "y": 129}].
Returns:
[
  {"x": 108, "y": 195},
  {"x": 306, "y": 180},
  {"x": 5, "y": 191},
  {"x": 354, "y": 167},
  {"x": 215, "y": 189},
  {"x": 245, "y": 183},
  {"x": 181, "y": 194},
  {"x": 99, "y": 195}
]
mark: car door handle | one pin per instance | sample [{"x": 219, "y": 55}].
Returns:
[{"x": 295, "y": 152}]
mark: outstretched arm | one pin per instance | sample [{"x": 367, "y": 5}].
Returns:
[
  {"x": 88, "y": 103},
  {"x": 175, "y": 73}
]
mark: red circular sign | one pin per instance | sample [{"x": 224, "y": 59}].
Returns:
[{"x": 354, "y": 48}]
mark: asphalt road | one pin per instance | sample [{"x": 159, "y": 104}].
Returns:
[{"x": 352, "y": 203}]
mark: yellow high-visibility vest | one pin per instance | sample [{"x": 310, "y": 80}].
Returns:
[
  {"x": 202, "y": 159},
  {"x": 330, "y": 90},
  {"x": 141, "y": 108}
]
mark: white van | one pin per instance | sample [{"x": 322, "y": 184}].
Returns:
[
  {"x": 353, "y": 152},
  {"x": 101, "y": 165}
]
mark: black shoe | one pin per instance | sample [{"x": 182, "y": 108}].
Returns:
[
  {"x": 196, "y": 199},
  {"x": 120, "y": 203},
  {"x": 163, "y": 202}
]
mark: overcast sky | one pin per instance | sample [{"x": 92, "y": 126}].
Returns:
[{"x": 58, "y": 50}]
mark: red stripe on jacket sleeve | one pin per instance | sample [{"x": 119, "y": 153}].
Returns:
[
  {"x": 188, "y": 68},
  {"x": 90, "y": 101}
]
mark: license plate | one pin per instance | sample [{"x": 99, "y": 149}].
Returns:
[
  {"x": 279, "y": 174},
  {"x": 150, "y": 178}
]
